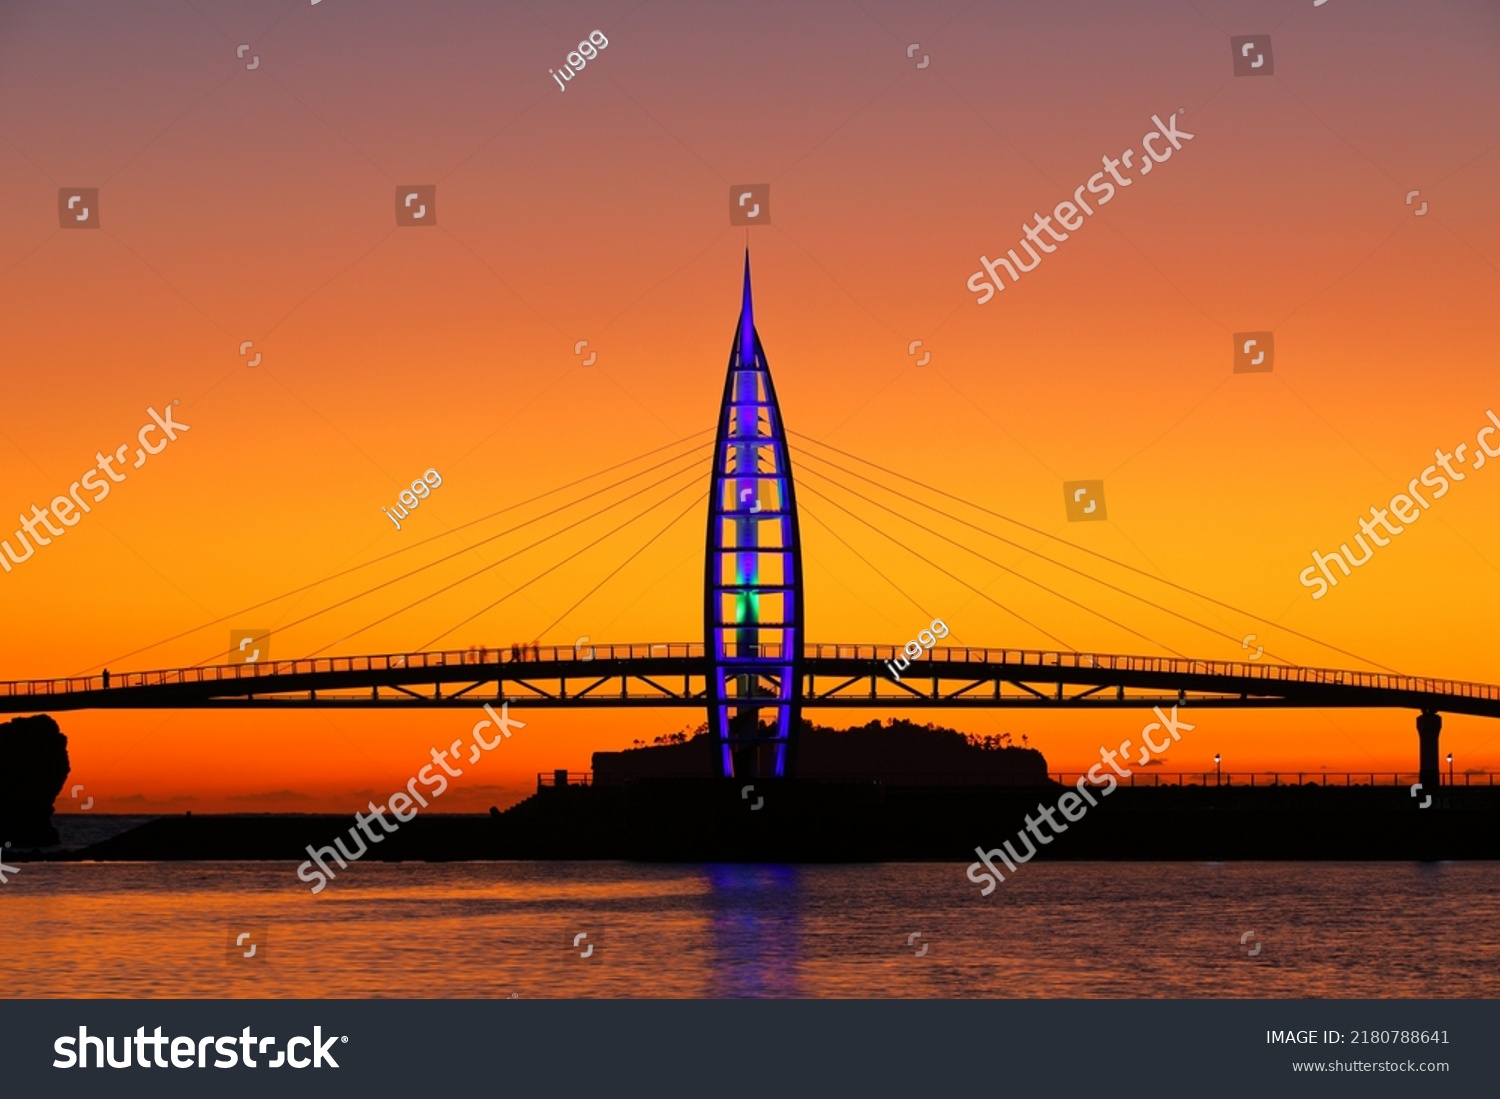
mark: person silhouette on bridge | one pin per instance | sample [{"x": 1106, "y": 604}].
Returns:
[
  {"x": 106, "y": 679},
  {"x": 515, "y": 652},
  {"x": 536, "y": 650}
]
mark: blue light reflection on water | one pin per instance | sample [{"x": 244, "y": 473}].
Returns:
[{"x": 756, "y": 929}]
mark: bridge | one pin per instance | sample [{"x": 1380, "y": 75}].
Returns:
[
  {"x": 675, "y": 674},
  {"x": 754, "y": 661}
]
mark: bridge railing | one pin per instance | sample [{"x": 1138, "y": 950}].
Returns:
[
  {"x": 553, "y": 779},
  {"x": 477, "y": 657},
  {"x": 1164, "y": 665},
  {"x": 1260, "y": 779}
]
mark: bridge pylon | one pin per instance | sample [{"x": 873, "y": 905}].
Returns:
[
  {"x": 1430, "y": 772},
  {"x": 753, "y": 627}
]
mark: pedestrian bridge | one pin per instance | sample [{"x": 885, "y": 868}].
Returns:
[{"x": 670, "y": 673}]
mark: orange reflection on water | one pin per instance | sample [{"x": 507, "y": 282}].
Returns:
[{"x": 496, "y": 930}]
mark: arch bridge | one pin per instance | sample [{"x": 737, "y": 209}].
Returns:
[{"x": 833, "y": 676}]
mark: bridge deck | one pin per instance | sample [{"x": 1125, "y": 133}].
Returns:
[{"x": 847, "y": 676}]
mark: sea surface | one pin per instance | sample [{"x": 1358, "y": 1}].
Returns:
[{"x": 503, "y": 929}]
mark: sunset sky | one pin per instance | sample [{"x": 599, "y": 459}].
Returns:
[{"x": 258, "y": 204}]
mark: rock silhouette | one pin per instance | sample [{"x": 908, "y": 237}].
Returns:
[{"x": 33, "y": 768}]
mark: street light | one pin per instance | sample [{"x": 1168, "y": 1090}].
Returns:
[
  {"x": 1219, "y": 777},
  {"x": 1450, "y": 768}
]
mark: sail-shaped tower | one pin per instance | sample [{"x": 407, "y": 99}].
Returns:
[{"x": 752, "y": 617}]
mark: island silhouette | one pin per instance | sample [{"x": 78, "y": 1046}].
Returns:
[{"x": 876, "y": 792}]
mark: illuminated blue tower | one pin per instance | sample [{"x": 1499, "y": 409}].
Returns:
[{"x": 752, "y": 614}]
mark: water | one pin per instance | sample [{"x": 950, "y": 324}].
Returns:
[{"x": 494, "y": 930}]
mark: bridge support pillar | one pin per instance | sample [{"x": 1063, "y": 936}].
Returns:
[{"x": 1429, "y": 725}]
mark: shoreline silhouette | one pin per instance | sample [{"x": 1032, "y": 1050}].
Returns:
[
  {"x": 708, "y": 820},
  {"x": 878, "y": 792}
]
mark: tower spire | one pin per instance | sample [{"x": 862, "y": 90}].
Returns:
[{"x": 747, "y": 320}]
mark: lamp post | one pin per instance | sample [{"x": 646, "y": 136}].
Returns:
[
  {"x": 1450, "y": 768},
  {"x": 1218, "y": 774}
]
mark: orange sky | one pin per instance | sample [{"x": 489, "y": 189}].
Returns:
[{"x": 257, "y": 205}]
